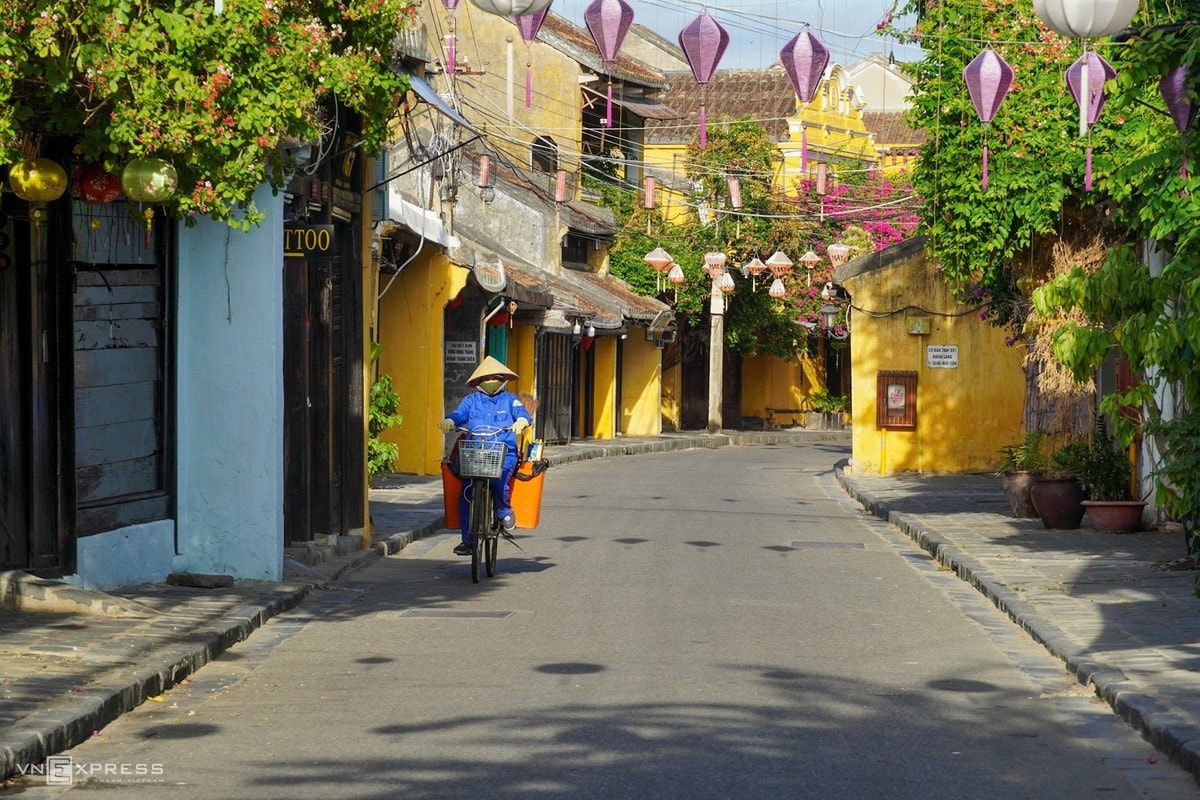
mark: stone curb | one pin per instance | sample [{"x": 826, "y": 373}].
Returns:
[{"x": 1178, "y": 741}]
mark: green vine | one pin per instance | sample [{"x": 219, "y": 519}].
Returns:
[{"x": 217, "y": 95}]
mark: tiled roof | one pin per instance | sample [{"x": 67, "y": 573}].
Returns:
[
  {"x": 765, "y": 95},
  {"x": 890, "y": 128},
  {"x": 577, "y": 43}
]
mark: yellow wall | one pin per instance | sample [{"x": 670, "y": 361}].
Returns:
[
  {"x": 641, "y": 388},
  {"x": 775, "y": 383},
  {"x": 672, "y": 398},
  {"x": 964, "y": 414},
  {"x": 604, "y": 397},
  {"x": 411, "y": 329}
]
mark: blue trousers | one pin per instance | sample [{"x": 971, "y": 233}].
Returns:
[{"x": 501, "y": 496}]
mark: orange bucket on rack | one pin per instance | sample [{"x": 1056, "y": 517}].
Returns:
[
  {"x": 451, "y": 491},
  {"x": 527, "y": 492}
]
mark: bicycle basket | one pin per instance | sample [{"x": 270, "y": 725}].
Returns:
[{"x": 480, "y": 458}]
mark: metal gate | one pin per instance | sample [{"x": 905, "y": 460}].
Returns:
[{"x": 555, "y": 388}]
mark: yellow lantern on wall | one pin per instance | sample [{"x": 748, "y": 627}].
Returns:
[{"x": 38, "y": 180}]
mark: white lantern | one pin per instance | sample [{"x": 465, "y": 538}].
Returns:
[
  {"x": 675, "y": 274},
  {"x": 725, "y": 283},
  {"x": 512, "y": 8},
  {"x": 1085, "y": 19}
]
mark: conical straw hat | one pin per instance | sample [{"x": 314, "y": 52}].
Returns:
[{"x": 489, "y": 367}]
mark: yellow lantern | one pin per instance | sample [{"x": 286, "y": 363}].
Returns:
[{"x": 38, "y": 180}]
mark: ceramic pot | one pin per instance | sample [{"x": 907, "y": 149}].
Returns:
[
  {"x": 1059, "y": 502},
  {"x": 1115, "y": 516}
]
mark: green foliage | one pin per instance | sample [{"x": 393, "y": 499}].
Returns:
[
  {"x": 215, "y": 95},
  {"x": 1100, "y": 466},
  {"x": 383, "y": 414},
  {"x": 1031, "y": 454},
  {"x": 825, "y": 403}
]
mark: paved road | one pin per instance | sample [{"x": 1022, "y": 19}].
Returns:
[{"x": 709, "y": 624}]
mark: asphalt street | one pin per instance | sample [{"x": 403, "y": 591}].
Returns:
[{"x": 706, "y": 624}]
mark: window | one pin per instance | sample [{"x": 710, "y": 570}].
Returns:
[{"x": 544, "y": 155}]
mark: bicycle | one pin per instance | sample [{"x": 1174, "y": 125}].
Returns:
[{"x": 481, "y": 460}]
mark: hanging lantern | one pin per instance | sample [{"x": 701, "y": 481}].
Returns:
[
  {"x": 735, "y": 192},
  {"x": 675, "y": 275},
  {"x": 93, "y": 184},
  {"x": 754, "y": 267},
  {"x": 659, "y": 260},
  {"x": 1085, "y": 19},
  {"x": 703, "y": 42},
  {"x": 451, "y": 59},
  {"x": 651, "y": 186},
  {"x": 777, "y": 289},
  {"x": 508, "y": 8},
  {"x": 529, "y": 24},
  {"x": 988, "y": 79},
  {"x": 779, "y": 264},
  {"x": 804, "y": 58},
  {"x": 838, "y": 253},
  {"x": 714, "y": 264},
  {"x": 37, "y": 180},
  {"x": 608, "y": 21},
  {"x": 810, "y": 260},
  {"x": 725, "y": 283},
  {"x": 1090, "y": 72},
  {"x": 149, "y": 180},
  {"x": 1174, "y": 89}
]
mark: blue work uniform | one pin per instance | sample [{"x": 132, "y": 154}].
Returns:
[{"x": 489, "y": 412}]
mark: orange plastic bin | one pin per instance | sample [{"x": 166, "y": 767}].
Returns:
[
  {"x": 527, "y": 493},
  {"x": 451, "y": 491}
]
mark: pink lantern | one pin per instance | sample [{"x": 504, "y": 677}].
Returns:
[
  {"x": 804, "y": 58},
  {"x": 703, "y": 42},
  {"x": 988, "y": 79},
  {"x": 608, "y": 21},
  {"x": 1092, "y": 71},
  {"x": 450, "y": 5},
  {"x": 529, "y": 25},
  {"x": 1174, "y": 88}
]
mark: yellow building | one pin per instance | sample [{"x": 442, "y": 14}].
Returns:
[
  {"x": 935, "y": 388},
  {"x": 486, "y": 245}
]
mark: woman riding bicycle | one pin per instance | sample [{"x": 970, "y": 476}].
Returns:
[{"x": 491, "y": 408}]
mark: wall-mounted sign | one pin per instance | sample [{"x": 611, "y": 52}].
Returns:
[
  {"x": 941, "y": 356},
  {"x": 462, "y": 352},
  {"x": 895, "y": 398},
  {"x": 305, "y": 241}
]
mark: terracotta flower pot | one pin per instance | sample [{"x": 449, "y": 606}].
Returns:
[
  {"x": 1115, "y": 516},
  {"x": 1059, "y": 502},
  {"x": 1016, "y": 487}
]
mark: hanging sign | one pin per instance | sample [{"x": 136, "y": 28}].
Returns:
[
  {"x": 941, "y": 356},
  {"x": 304, "y": 241},
  {"x": 461, "y": 352}
]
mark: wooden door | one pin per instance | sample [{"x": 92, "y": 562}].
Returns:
[{"x": 556, "y": 397}]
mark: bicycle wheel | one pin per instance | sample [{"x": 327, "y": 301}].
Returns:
[
  {"x": 481, "y": 520},
  {"x": 490, "y": 544}
]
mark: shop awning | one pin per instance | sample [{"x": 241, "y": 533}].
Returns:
[
  {"x": 644, "y": 107},
  {"x": 421, "y": 221}
]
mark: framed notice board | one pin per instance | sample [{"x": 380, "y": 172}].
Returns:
[{"x": 896, "y": 400}]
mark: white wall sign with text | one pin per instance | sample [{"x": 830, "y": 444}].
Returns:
[{"x": 941, "y": 356}]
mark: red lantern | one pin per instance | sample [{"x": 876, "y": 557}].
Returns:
[
  {"x": 988, "y": 79},
  {"x": 804, "y": 58},
  {"x": 608, "y": 21},
  {"x": 1090, "y": 71},
  {"x": 529, "y": 25},
  {"x": 703, "y": 42},
  {"x": 92, "y": 183}
]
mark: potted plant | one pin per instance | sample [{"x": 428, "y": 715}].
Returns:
[
  {"x": 1020, "y": 464},
  {"x": 828, "y": 410},
  {"x": 1105, "y": 472},
  {"x": 1058, "y": 493}
]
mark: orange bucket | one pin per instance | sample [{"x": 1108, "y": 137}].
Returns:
[
  {"x": 527, "y": 493},
  {"x": 451, "y": 491}
]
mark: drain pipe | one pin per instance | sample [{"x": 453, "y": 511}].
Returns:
[{"x": 483, "y": 326}]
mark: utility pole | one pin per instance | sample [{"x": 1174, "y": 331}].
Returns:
[{"x": 716, "y": 356}]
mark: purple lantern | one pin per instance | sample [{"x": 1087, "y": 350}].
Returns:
[
  {"x": 450, "y": 6},
  {"x": 804, "y": 58},
  {"x": 608, "y": 21},
  {"x": 988, "y": 79},
  {"x": 529, "y": 25},
  {"x": 1174, "y": 88},
  {"x": 1095, "y": 71},
  {"x": 703, "y": 42}
]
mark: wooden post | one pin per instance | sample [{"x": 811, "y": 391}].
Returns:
[{"x": 716, "y": 356}]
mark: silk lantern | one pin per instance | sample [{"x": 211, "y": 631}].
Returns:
[
  {"x": 804, "y": 58},
  {"x": 95, "y": 185},
  {"x": 37, "y": 180},
  {"x": 608, "y": 21},
  {"x": 1085, "y": 19},
  {"x": 529, "y": 25},
  {"x": 1088, "y": 74},
  {"x": 703, "y": 42},
  {"x": 988, "y": 78},
  {"x": 1174, "y": 89},
  {"x": 149, "y": 180},
  {"x": 451, "y": 6},
  {"x": 510, "y": 8}
]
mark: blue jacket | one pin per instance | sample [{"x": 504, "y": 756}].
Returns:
[{"x": 501, "y": 410}]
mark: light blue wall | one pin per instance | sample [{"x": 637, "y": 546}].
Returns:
[
  {"x": 128, "y": 556},
  {"x": 230, "y": 396}
]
